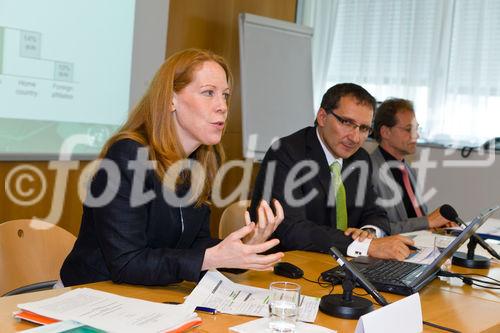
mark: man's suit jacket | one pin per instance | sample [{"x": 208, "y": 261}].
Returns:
[
  {"x": 312, "y": 226},
  {"x": 139, "y": 245},
  {"x": 398, "y": 217}
]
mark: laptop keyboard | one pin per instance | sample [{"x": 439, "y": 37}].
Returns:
[
  {"x": 388, "y": 270},
  {"x": 384, "y": 271}
]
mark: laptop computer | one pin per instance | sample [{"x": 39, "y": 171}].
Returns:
[{"x": 407, "y": 278}]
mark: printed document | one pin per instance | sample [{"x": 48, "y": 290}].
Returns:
[
  {"x": 424, "y": 256},
  {"x": 218, "y": 292},
  {"x": 112, "y": 313},
  {"x": 426, "y": 239}
]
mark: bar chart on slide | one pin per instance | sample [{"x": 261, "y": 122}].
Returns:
[
  {"x": 69, "y": 68},
  {"x": 21, "y": 56},
  {"x": 66, "y": 63}
]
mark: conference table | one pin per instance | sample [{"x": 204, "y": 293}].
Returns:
[{"x": 461, "y": 307}]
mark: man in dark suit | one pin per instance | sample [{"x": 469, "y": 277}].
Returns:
[
  {"x": 396, "y": 131},
  {"x": 321, "y": 176}
]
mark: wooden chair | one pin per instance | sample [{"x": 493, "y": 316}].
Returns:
[
  {"x": 233, "y": 218},
  {"x": 31, "y": 255}
]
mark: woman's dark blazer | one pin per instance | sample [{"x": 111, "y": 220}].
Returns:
[{"x": 138, "y": 241}]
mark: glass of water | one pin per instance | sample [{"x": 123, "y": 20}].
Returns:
[{"x": 284, "y": 301}]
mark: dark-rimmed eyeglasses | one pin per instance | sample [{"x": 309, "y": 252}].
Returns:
[
  {"x": 351, "y": 125},
  {"x": 411, "y": 129}
]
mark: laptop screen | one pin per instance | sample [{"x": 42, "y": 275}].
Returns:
[{"x": 458, "y": 241}]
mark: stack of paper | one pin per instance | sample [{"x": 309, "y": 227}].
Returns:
[
  {"x": 218, "y": 292},
  {"x": 425, "y": 239},
  {"x": 112, "y": 313},
  {"x": 67, "y": 326},
  {"x": 424, "y": 256}
]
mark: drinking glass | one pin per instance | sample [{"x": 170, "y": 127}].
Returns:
[{"x": 284, "y": 301}]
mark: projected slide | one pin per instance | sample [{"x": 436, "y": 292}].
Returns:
[
  {"x": 71, "y": 59},
  {"x": 21, "y": 56},
  {"x": 66, "y": 67}
]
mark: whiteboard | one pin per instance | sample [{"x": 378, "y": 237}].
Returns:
[{"x": 276, "y": 81}]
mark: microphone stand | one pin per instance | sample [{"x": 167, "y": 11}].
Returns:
[
  {"x": 346, "y": 305},
  {"x": 469, "y": 259}
]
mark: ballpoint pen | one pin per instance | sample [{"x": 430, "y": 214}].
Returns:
[
  {"x": 205, "y": 309},
  {"x": 413, "y": 248},
  {"x": 198, "y": 308}
]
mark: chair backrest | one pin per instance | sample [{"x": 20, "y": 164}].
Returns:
[
  {"x": 233, "y": 218},
  {"x": 31, "y": 251}
]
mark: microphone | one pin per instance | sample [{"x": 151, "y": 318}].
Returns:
[
  {"x": 451, "y": 214},
  {"x": 362, "y": 280}
]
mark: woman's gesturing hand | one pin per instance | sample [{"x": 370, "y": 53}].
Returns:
[
  {"x": 233, "y": 253},
  {"x": 266, "y": 224}
]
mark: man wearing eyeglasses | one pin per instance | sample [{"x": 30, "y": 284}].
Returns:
[
  {"x": 396, "y": 131},
  {"x": 322, "y": 178}
]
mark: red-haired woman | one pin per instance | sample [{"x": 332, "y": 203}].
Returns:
[{"x": 146, "y": 216}]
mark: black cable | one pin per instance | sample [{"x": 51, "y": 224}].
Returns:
[
  {"x": 312, "y": 281},
  {"x": 486, "y": 287},
  {"x": 331, "y": 290},
  {"x": 469, "y": 276},
  {"x": 443, "y": 328},
  {"x": 482, "y": 281},
  {"x": 466, "y": 151},
  {"x": 469, "y": 280},
  {"x": 481, "y": 275},
  {"x": 322, "y": 284},
  {"x": 446, "y": 274}
]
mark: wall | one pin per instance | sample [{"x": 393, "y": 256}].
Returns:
[
  {"x": 469, "y": 184},
  {"x": 24, "y": 182},
  {"x": 213, "y": 24}
]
